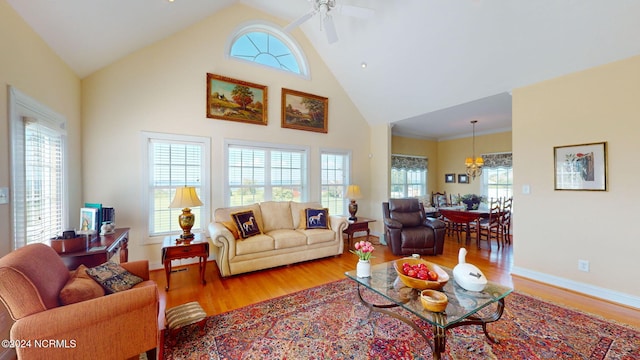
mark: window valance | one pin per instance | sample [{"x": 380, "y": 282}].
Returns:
[
  {"x": 405, "y": 162},
  {"x": 498, "y": 160}
]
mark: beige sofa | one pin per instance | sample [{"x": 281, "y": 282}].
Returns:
[{"x": 282, "y": 241}]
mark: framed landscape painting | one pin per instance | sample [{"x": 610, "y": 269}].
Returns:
[
  {"x": 304, "y": 111},
  {"x": 236, "y": 100},
  {"x": 581, "y": 167}
]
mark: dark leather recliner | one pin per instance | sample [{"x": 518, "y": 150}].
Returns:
[{"x": 408, "y": 231}]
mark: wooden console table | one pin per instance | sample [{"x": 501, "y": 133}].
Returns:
[
  {"x": 361, "y": 224},
  {"x": 198, "y": 247},
  {"x": 100, "y": 250}
]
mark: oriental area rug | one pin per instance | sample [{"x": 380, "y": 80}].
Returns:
[{"x": 327, "y": 322}]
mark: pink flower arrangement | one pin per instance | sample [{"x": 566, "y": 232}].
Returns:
[{"x": 363, "y": 249}]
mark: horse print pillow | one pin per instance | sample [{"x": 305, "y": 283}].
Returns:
[
  {"x": 246, "y": 223},
  {"x": 317, "y": 218}
]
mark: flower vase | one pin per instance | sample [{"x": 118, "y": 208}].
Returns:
[{"x": 363, "y": 269}]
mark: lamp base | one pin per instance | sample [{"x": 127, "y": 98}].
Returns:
[
  {"x": 353, "y": 209},
  {"x": 186, "y": 220}
]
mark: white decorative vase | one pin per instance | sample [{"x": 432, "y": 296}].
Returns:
[{"x": 363, "y": 269}]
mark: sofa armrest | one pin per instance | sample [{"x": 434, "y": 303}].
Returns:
[
  {"x": 392, "y": 224},
  {"x": 139, "y": 268},
  {"x": 338, "y": 224},
  {"x": 223, "y": 239},
  {"x": 119, "y": 325}
]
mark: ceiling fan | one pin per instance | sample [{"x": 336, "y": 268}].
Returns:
[{"x": 325, "y": 8}]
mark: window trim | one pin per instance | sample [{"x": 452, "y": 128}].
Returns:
[
  {"x": 271, "y": 146},
  {"x": 22, "y": 105},
  {"x": 205, "y": 190},
  {"x": 274, "y": 30}
]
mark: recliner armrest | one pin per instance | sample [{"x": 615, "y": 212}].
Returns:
[
  {"x": 394, "y": 224},
  {"x": 434, "y": 224}
]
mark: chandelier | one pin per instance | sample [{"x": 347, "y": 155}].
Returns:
[{"x": 474, "y": 164}]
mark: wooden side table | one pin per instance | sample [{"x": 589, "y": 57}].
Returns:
[
  {"x": 100, "y": 249},
  {"x": 361, "y": 224},
  {"x": 171, "y": 250}
]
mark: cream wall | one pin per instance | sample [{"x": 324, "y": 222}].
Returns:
[
  {"x": 162, "y": 88},
  {"x": 556, "y": 228},
  {"x": 30, "y": 66}
]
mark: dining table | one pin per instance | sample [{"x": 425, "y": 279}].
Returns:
[{"x": 459, "y": 215}]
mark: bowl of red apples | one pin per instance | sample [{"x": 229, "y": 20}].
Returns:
[{"x": 420, "y": 274}]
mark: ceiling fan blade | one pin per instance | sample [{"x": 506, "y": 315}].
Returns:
[
  {"x": 355, "y": 11},
  {"x": 300, "y": 20},
  {"x": 330, "y": 29}
]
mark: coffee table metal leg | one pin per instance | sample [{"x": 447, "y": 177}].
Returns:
[
  {"x": 439, "y": 333},
  {"x": 483, "y": 321}
]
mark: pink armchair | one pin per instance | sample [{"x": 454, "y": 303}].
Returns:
[{"x": 116, "y": 326}]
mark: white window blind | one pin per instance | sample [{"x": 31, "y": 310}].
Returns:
[
  {"x": 38, "y": 170},
  {"x": 174, "y": 161},
  {"x": 334, "y": 169},
  {"x": 43, "y": 160},
  {"x": 260, "y": 173}
]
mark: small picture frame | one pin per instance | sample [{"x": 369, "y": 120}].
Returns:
[
  {"x": 581, "y": 167},
  {"x": 449, "y": 178},
  {"x": 88, "y": 220},
  {"x": 463, "y": 178}
]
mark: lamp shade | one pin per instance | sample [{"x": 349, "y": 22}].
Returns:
[
  {"x": 353, "y": 192},
  {"x": 186, "y": 197}
]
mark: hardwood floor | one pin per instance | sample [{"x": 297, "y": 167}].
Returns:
[{"x": 224, "y": 294}]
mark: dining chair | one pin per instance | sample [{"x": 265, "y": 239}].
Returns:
[
  {"x": 505, "y": 220},
  {"x": 439, "y": 199},
  {"x": 491, "y": 227}
]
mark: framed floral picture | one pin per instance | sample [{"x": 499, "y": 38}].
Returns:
[
  {"x": 581, "y": 167},
  {"x": 236, "y": 100},
  {"x": 304, "y": 111}
]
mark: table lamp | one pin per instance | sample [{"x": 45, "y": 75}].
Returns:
[
  {"x": 353, "y": 193},
  {"x": 186, "y": 198}
]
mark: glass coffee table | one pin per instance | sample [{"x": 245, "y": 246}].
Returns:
[{"x": 464, "y": 307}]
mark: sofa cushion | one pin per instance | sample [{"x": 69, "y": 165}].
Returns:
[
  {"x": 255, "y": 244},
  {"x": 80, "y": 287},
  {"x": 276, "y": 215},
  {"x": 317, "y": 236},
  {"x": 317, "y": 218},
  {"x": 246, "y": 223},
  {"x": 285, "y": 238},
  {"x": 113, "y": 277},
  {"x": 297, "y": 211}
]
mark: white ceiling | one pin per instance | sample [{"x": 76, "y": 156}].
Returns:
[{"x": 433, "y": 65}]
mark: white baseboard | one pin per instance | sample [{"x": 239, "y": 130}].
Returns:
[{"x": 588, "y": 289}]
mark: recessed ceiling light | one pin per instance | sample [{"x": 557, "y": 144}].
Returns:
[{"x": 363, "y": 65}]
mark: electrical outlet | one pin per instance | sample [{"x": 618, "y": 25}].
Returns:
[
  {"x": 4, "y": 195},
  {"x": 583, "y": 265}
]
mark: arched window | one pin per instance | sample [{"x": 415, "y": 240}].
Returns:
[{"x": 267, "y": 45}]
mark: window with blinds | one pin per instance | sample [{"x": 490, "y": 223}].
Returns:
[
  {"x": 175, "y": 161},
  {"x": 263, "y": 173},
  {"x": 38, "y": 151},
  {"x": 334, "y": 169},
  {"x": 408, "y": 176},
  {"x": 43, "y": 186}
]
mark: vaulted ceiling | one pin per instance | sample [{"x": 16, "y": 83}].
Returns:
[{"x": 432, "y": 65}]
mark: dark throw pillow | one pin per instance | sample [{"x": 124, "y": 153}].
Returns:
[
  {"x": 317, "y": 218},
  {"x": 246, "y": 223},
  {"x": 113, "y": 277}
]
